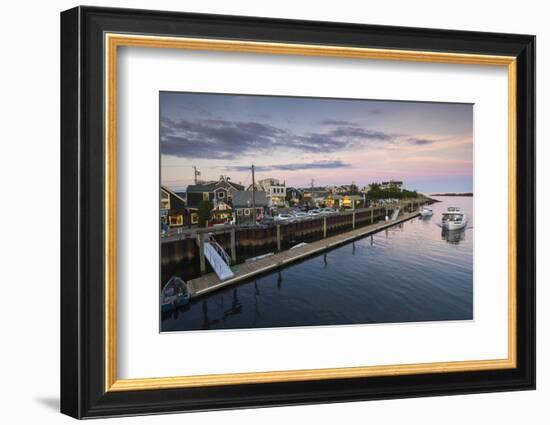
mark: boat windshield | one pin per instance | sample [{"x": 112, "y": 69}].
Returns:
[{"x": 453, "y": 216}]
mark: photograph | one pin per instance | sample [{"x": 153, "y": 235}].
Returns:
[{"x": 280, "y": 211}]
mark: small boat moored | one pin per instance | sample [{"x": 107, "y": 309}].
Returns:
[
  {"x": 426, "y": 212},
  {"x": 174, "y": 294},
  {"x": 453, "y": 219}
]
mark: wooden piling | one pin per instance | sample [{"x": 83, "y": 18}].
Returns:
[
  {"x": 324, "y": 227},
  {"x": 233, "y": 247},
  {"x": 201, "y": 251},
  {"x": 278, "y": 237},
  {"x": 353, "y": 220}
]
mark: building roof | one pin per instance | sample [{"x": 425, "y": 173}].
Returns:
[
  {"x": 271, "y": 181},
  {"x": 211, "y": 186},
  {"x": 243, "y": 199},
  {"x": 354, "y": 197},
  {"x": 170, "y": 192}
]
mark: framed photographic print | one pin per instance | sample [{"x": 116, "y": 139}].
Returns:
[{"x": 261, "y": 212}]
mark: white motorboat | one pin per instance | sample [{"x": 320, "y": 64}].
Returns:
[
  {"x": 454, "y": 218},
  {"x": 426, "y": 212}
]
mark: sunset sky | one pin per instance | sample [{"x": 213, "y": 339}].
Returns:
[{"x": 334, "y": 141}]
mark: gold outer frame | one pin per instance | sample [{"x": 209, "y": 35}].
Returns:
[{"x": 113, "y": 41}]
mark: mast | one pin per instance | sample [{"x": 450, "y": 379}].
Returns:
[{"x": 253, "y": 197}]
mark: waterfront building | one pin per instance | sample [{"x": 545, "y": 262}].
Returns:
[
  {"x": 352, "y": 202},
  {"x": 333, "y": 200},
  {"x": 173, "y": 210},
  {"x": 221, "y": 213},
  {"x": 392, "y": 184},
  {"x": 319, "y": 197},
  {"x": 220, "y": 190},
  {"x": 243, "y": 204},
  {"x": 275, "y": 191},
  {"x": 294, "y": 196},
  {"x": 342, "y": 189}
]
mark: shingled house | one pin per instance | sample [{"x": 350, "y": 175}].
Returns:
[
  {"x": 221, "y": 190},
  {"x": 242, "y": 204},
  {"x": 173, "y": 211}
]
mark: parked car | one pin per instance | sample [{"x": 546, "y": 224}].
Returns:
[
  {"x": 302, "y": 216},
  {"x": 285, "y": 217},
  {"x": 314, "y": 212},
  {"x": 328, "y": 211}
]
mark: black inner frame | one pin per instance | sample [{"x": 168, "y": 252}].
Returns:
[{"x": 82, "y": 206}]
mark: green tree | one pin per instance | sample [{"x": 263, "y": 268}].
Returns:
[{"x": 204, "y": 212}]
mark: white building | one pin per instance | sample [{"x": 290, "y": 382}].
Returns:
[
  {"x": 392, "y": 184},
  {"x": 275, "y": 191}
]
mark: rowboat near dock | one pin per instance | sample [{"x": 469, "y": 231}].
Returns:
[{"x": 174, "y": 294}]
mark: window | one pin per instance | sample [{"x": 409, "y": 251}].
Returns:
[
  {"x": 247, "y": 212},
  {"x": 176, "y": 220},
  {"x": 221, "y": 194},
  {"x": 164, "y": 200},
  {"x": 239, "y": 212},
  {"x": 205, "y": 196}
]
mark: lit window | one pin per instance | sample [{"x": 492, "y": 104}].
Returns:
[
  {"x": 176, "y": 220},
  {"x": 164, "y": 200}
]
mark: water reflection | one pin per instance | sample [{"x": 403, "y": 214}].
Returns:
[
  {"x": 209, "y": 321},
  {"x": 453, "y": 236}
]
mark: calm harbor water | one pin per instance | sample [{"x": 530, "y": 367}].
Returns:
[{"x": 411, "y": 272}]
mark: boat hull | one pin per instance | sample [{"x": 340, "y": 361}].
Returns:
[
  {"x": 174, "y": 294},
  {"x": 173, "y": 304}
]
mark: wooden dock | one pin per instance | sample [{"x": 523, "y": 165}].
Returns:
[{"x": 210, "y": 282}]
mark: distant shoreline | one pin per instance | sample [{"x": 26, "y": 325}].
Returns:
[{"x": 453, "y": 194}]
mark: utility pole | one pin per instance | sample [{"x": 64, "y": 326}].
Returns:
[
  {"x": 197, "y": 173},
  {"x": 311, "y": 198},
  {"x": 253, "y": 197}
]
